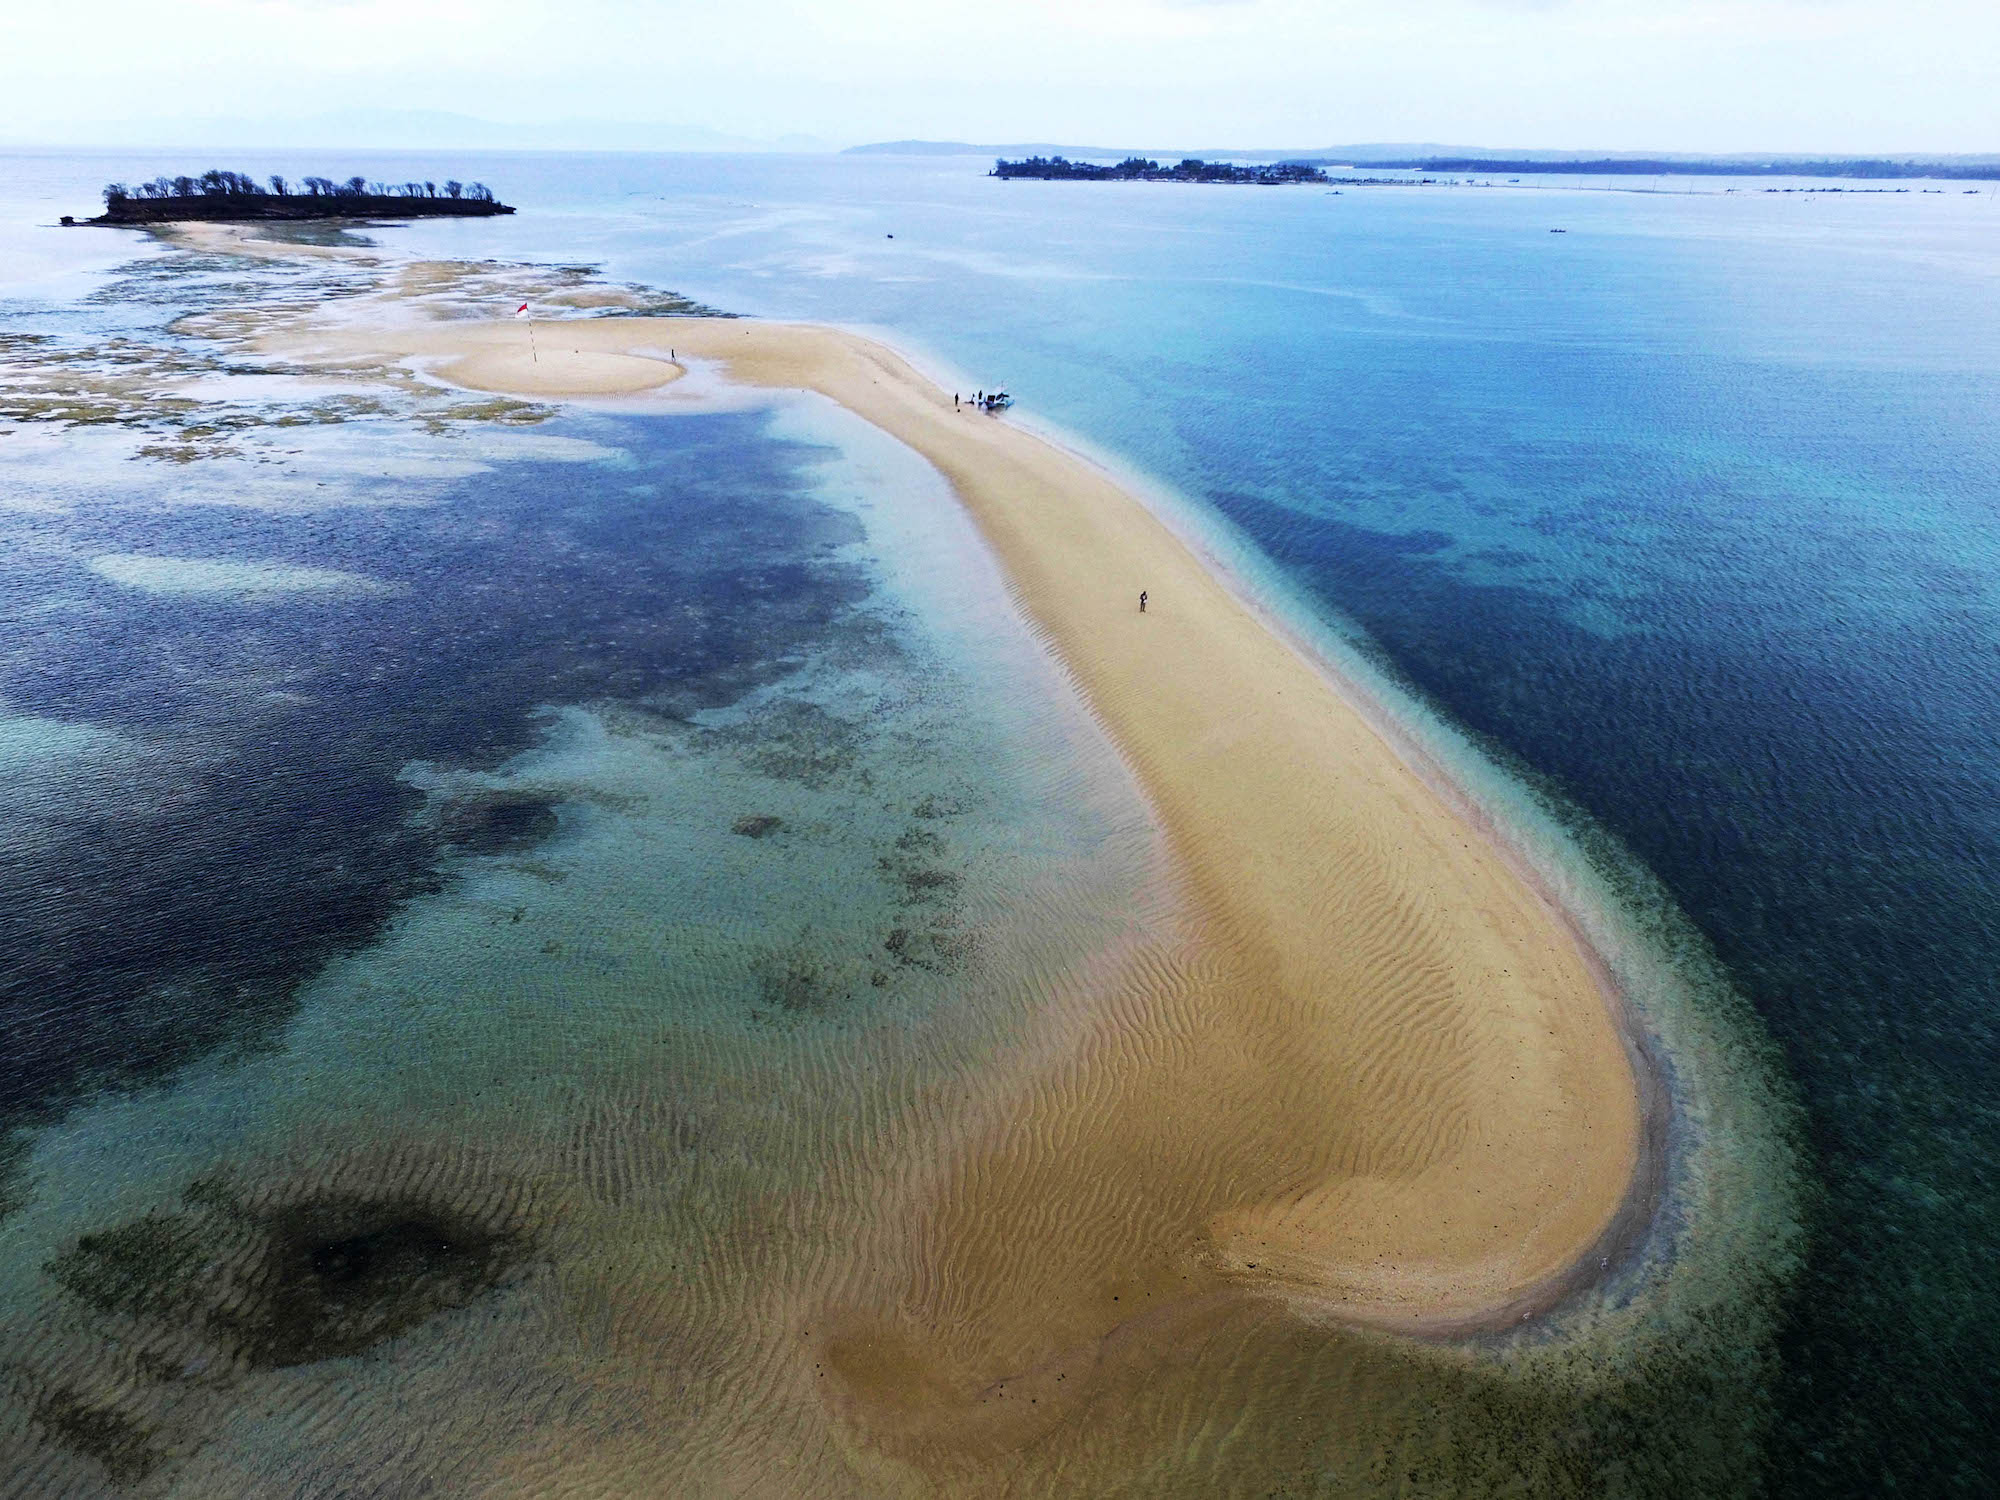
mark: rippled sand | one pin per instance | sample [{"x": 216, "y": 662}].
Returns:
[
  {"x": 1348, "y": 1073},
  {"x": 1382, "y": 1073}
]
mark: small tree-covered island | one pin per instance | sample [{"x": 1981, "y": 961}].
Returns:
[
  {"x": 218, "y": 195},
  {"x": 1143, "y": 169}
]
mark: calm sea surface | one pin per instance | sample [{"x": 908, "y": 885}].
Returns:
[{"x": 1687, "y": 515}]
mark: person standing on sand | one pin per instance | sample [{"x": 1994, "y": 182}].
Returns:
[
  {"x": 1142, "y": 601},
  {"x": 954, "y": 400}
]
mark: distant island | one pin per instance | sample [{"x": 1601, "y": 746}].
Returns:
[
  {"x": 1668, "y": 166},
  {"x": 1144, "y": 169},
  {"x": 233, "y": 196},
  {"x": 1468, "y": 160}
]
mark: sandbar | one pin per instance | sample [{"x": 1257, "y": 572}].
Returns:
[{"x": 1382, "y": 1078}]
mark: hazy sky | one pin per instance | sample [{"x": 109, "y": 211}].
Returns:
[{"x": 1837, "y": 75}]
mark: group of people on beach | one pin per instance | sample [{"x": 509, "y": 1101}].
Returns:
[{"x": 993, "y": 401}]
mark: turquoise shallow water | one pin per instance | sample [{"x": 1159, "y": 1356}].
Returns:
[
  {"x": 1686, "y": 515},
  {"x": 455, "y": 846},
  {"x": 1689, "y": 509}
]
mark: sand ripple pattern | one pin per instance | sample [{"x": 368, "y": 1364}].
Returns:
[{"x": 1130, "y": 1216}]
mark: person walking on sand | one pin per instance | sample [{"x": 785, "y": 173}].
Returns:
[
  {"x": 954, "y": 400},
  {"x": 1142, "y": 601}
]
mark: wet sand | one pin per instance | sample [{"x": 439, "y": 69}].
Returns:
[
  {"x": 1405, "y": 1023},
  {"x": 1390, "y": 1082},
  {"x": 1363, "y": 1073},
  {"x": 1473, "y": 1123}
]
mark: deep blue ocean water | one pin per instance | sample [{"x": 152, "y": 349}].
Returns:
[{"x": 1688, "y": 513}]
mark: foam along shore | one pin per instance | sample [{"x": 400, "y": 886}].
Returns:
[{"x": 1381, "y": 1078}]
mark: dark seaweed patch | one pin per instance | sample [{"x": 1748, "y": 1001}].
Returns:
[
  {"x": 920, "y": 882},
  {"x": 15, "y": 1189},
  {"x": 800, "y": 741},
  {"x": 917, "y": 870},
  {"x": 757, "y": 825},
  {"x": 498, "y": 822},
  {"x": 796, "y": 982},
  {"x": 941, "y": 948},
  {"x": 170, "y": 906},
  {"x": 340, "y": 1277},
  {"x": 924, "y": 883},
  {"x": 914, "y": 866},
  {"x": 141, "y": 1267},
  {"x": 121, "y": 1445},
  {"x": 323, "y": 1278}
]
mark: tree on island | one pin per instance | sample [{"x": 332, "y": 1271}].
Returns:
[
  {"x": 1143, "y": 169},
  {"x": 220, "y": 194},
  {"x": 216, "y": 183}
]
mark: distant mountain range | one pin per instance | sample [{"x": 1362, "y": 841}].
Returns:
[
  {"x": 1119, "y": 153},
  {"x": 368, "y": 129},
  {"x": 1432, "y": 156}
]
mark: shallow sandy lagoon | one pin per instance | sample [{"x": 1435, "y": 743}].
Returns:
[
  {"x": 1432, "y": 1109},
  {"x": 1354, "y": 1071}
]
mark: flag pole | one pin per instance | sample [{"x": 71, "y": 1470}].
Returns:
[{"x": 522, "y": 312}]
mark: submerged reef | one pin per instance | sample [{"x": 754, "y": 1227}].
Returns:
[
  {"x": 630, "y": 932},
  {"x": 165, "y": 1324},
  {"x": 287, "y": 1283},
  {"x": 224, "y": 731},
  {"x": 497, "y": 821}
]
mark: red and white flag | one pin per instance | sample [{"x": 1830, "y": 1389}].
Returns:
[{"x": 521, "y": 311}]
